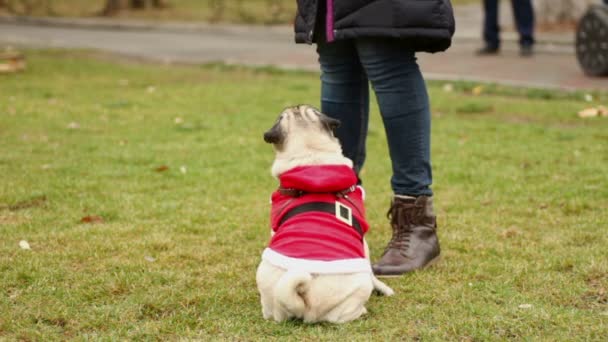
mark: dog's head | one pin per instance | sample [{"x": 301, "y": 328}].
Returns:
[
  {"x": 302, "y": 136},
  {"x": 300, "y": 121}
]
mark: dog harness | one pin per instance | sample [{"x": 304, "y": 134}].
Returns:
[{"x": 318, "y": 221}]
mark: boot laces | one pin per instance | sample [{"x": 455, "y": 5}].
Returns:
[{"x": 402, "y": 217}]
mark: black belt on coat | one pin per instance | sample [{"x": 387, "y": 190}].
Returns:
[{"x": 340, "y": 211}]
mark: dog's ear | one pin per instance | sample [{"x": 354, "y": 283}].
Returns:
[
  {"x": 330, "y": 123},
  {"x": 274, "y": 135}
]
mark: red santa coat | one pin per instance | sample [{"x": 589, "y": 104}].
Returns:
[{"x": 314, "y": 241}]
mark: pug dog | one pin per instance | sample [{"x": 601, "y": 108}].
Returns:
[{"x": 316, "y": 267}]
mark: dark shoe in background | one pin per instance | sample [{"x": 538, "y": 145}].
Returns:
[
  {"x": 488, "y": 51},
  {"x": 414, "y": 243},
  {"x": 526, "y": 51}
]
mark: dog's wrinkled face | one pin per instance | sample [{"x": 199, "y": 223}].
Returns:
[{"x": 304, "y": 118}]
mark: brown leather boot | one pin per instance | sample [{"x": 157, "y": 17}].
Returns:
[{"x": 414, "y": 243}]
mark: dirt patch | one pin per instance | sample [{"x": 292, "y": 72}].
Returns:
[
  {"x": 11, "y": 219},
  {"x": 33, "y": 202}
]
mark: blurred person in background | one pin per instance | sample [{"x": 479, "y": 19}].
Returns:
[{"x": 524, "y": 22}]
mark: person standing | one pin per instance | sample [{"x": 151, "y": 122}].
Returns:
[
  {"x": 524, "y": 21},
  {"x": 375, "y": 41}
]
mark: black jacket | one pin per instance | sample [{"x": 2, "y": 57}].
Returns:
[{"x": 425, "y": 25}]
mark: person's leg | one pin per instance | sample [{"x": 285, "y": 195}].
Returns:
[
  {"x": 345, "y": 96},
  {"x": 404, "y": 105},
  {"x": 524, "y": 20},
  {"x": 491, "y": 29}
]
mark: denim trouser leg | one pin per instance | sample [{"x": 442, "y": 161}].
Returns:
[
  {"x": 345, "y": 96},
  {"x": 401, "y": 93}
]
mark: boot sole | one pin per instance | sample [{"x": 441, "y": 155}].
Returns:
[{"x": 433, "y": 261}]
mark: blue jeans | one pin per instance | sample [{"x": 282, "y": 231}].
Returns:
[
  {"x": 524, "y": 20},
  {"x": 346, "y": 68}
]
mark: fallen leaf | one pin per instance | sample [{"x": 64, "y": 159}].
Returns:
[
  {"x": 525, "y": 306},
  {"x": 73, "y": 125},
  {"x": 477, "y": 90},
  {"x": 162, "y": 168},
  {"x": 183, "y": 169},
  {"x": 24, "y": 244},
  {"x": 589, "y": 113},
  {"x": 92, "y": 219},
  {"x": 149, "y": 258}
]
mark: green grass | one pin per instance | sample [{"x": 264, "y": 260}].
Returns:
[
  {"x": 231, "y": 11},
  {"x": 521, "y": 192}
]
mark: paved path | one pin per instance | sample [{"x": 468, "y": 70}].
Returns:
[{"x": 553, "y": 66}]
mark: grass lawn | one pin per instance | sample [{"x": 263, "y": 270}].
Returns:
[
  {"x": 143, "y": 193},
  {"x": 233, "y": 11}
]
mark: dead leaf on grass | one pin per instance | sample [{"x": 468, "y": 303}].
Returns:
[
  {"x": 24, "y": 245},
  {"x": 11, "y": 61},
  {"x": 477, "y": 90},
  {"x": 588, "y": 113},
  {"x": 149, "y": 258},
  {"x": 593, "y": 112},
  {"x": 525, "y": 306},
  {"x": 92, "y": 219},
  {"x": 73, "y": 125},
  {"x": 162, "y": 168}
]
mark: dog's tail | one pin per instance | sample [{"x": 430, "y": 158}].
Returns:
[{"x": 291, "y": 290}]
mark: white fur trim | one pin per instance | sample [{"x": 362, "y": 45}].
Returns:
[{"x": 317, "y": 266}]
